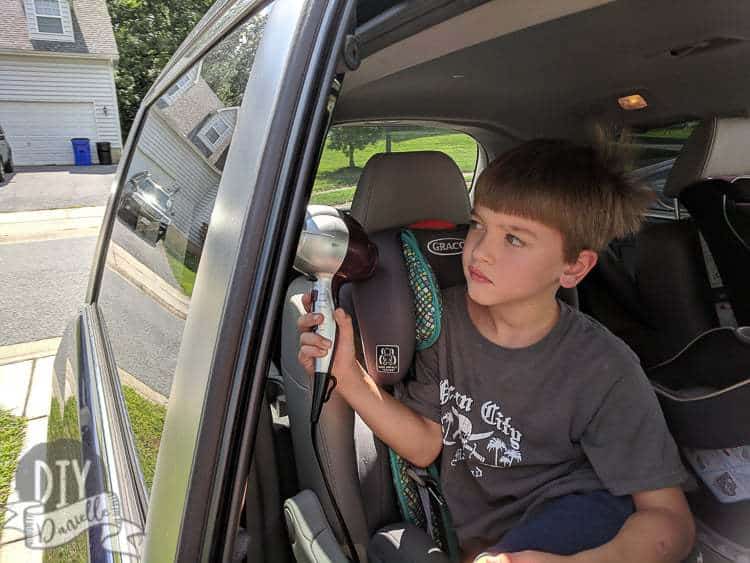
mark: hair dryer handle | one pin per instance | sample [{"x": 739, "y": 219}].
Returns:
[{"x": 322, "y": 302}]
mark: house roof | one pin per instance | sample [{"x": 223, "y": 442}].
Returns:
[{"x": 92, "y": 29}]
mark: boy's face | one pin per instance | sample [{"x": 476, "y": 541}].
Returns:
[{"x": 509, "y": 259}]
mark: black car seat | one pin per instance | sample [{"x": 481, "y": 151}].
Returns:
[
  {"x": 656, "y": 298},
  {"x": 705, "y": 388},
  {"x": 395, "y": 190},
  {"x": 673, "y": 314},
  {"x": 719, "y": 207}
]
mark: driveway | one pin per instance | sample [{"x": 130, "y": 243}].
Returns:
[{"x": 32, "y": 188}]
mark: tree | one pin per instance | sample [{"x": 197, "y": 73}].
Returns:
[
  {"x": 147, "y": 33},
  {"x": 227, "y": 66},
  {"x": 348, "y": 139}
]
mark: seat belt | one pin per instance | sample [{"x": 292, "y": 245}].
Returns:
[
  {"x": 429, "y": 487},
  {"x": 422, "y": 504},
  {"x": 719, "y": 296}
]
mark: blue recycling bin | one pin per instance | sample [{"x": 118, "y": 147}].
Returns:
[{"x": 81, "y": 151}]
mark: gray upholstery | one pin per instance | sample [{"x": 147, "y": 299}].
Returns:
[
  {"x": 312, "y": 538},
  {"x": 336, "y": 431},
  {"x": 397, "y": 189},
  {"x": 717, "y": 147}
]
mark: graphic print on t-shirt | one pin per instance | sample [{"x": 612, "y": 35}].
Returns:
[{"x": 496, "y": 444}]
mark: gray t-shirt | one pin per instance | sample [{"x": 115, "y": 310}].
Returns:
[{"x": 571, "y": 413}]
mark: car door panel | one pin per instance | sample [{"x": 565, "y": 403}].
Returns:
[{"x": 215, "y": 384}]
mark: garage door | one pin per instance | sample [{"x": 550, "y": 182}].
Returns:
[{"x": 40, "y": 132}]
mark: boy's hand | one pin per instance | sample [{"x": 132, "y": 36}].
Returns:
[
  {"x": 313, "y": 345},
  {"x": 522, "y": 557}
]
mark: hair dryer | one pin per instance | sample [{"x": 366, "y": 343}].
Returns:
[{"x": 333, "y": 249}]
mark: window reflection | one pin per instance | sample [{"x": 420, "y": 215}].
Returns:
[{"x": 162, "y": 217}]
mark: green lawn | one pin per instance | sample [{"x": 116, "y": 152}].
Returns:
[
  {"x": 333, "y": 197},
  {"x": 335, "y": 181},
  {"x": 12, "y": 430},
  {"x": 180, "y": 260},
  {"x": 63, "y": 424},
  {"x": 184, "y": 275},
  {"x": 680, "y": 132},
  {"x": 147, "y": 422}
]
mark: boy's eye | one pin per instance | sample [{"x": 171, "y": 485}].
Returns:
[
  {"x": 514, "y": 240},
  {"x": 474, "y": 224}
]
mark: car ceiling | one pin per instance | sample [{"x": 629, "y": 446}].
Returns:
[{"x": 555, "y": 68}]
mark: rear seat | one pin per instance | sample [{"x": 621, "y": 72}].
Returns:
[
  {"x": 666, "y": 310},
  {"x": 716, "y": 152}
]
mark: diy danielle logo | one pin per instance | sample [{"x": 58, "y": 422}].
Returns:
[{"x": 59, "y": 497}]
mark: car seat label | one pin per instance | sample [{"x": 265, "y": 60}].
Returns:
[
  {"x": 387, "y": 358},
  {"x": 446, "y": 246}
]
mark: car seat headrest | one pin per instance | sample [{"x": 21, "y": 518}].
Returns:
[
  {"x": 383, "y": 307},
  {"x": 717, "y": 148},
  {"x": 397, "y": 189}
]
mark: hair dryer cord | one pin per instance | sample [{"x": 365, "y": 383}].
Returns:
[{"x": 339, "y": 517}]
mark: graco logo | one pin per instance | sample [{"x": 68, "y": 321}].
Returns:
[{"x": 446, "y": 246}]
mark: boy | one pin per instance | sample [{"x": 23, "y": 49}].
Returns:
[{"x": 552, "y": 441}]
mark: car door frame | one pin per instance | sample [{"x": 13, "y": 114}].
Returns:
[
  {"x": 224, "y": 349},
  {"x": 314, "y": 98}
]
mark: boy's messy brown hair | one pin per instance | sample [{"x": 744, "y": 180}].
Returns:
[{"x": 575, "y": 189}]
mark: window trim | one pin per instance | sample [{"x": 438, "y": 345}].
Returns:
[
  {"x": 66, "y": 35},
  {"x": 213, "y": 146},
  {"x": 190, "y": 77}
]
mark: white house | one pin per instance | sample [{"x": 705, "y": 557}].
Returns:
[
  {"x": 57, "y": 78},
  {"x": 183, "y": 144}
]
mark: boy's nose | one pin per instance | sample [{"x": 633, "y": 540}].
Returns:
[{"x": 482, "y": 251}]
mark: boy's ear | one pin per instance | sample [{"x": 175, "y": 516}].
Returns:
[{"x": 576, "y": 271}]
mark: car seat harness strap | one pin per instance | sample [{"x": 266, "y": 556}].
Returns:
[
  {"x": 420, "y": 499},
  {"x": 719, "y": 296}
]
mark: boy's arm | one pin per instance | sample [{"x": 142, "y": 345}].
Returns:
[
  {"x": 414, "y": 437},
  {"x": 661, "y": 530},
  {"x": 411, "y": 435}
]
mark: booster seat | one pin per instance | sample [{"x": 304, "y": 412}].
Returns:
[{"x": 395, "y": 190}]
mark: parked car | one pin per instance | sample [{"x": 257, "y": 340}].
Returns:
[
  {"x": 178, "y": 378},
  {"x": 146, "y": 207},
  {"x": 6, "y": 156}
]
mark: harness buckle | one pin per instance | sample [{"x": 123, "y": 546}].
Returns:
[{"x": 427, "y": 482}]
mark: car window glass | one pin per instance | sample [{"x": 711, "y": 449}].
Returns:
[
  {"x": 348, "y": 148},
  {"x": 651, "y": 153},
  {"x": 162, "y": 218}
]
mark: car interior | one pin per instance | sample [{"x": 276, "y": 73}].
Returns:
[{"x": 503, "y": 72}]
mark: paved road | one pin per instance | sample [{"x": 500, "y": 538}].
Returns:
[
  {"x": 42, "y": 286},
  {"x": 55, "y": 187},
  {"x": 145, "y": 337},
  {"x": 153, "y": 257},
  {"x": 43, "y": 282}
]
